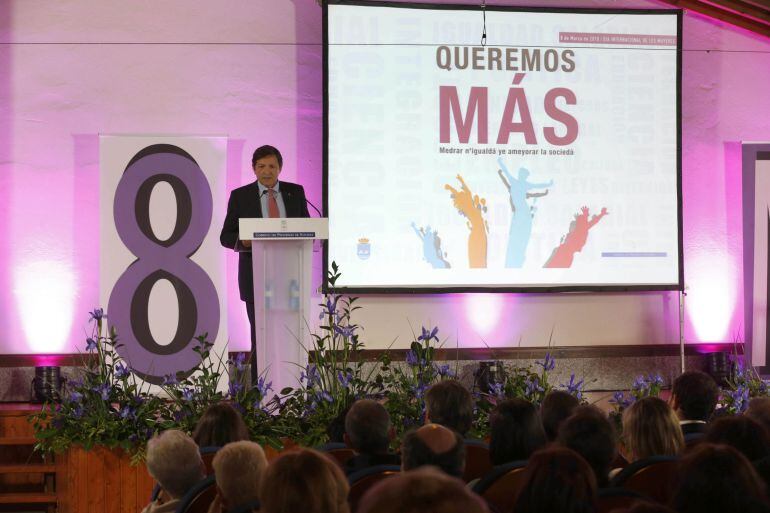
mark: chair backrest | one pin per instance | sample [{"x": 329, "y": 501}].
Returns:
[
  {"x": 477, "y": 462},
  {"x": 610, "y": 499},
  {"x": 340, "y": 452},
  {"x": 247, "y": 507},
  {"x": 501, "y": 487},
  {"x": 199, "y": 498},
  {"x": 653, "y": 477},
  {"x": 362, "y": 480}
]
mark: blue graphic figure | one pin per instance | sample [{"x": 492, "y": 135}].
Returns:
[
  {"x": 522, "y": 212},
  {"x": 431, "y": 247}
]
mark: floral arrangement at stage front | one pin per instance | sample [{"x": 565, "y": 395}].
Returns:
[{"x": 743, "y": 384}]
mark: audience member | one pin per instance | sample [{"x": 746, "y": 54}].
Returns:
[
  {"x": 590, "y": 433},
  {"x": 174, "y": 462},
  {"x": 368, "y": 432},
  {"x": 304, "y": 481},
  {"x": 425, "y": 490},
  {"x": 718, "y": 479},
  {"x": 556, "y": 407},
  {"x": 694, "y": 396},
  {"x": 651, "y": 428},
  {"x": 742, "y": 433},
  {"x": 645, "y": 507},
  {"x": 238, "y": 467},
  {"x": 759, "y": 410},
  {"x": 219, "y": 425},
  {"x": 557, "y": 480},
  {"x": 450, "y": 404},
  {"x": 515, "y": 431},
  {"x": 434, "y": 444}
]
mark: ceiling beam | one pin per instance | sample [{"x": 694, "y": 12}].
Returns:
[{"x": 723, "y": 15}]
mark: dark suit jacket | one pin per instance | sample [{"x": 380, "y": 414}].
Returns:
[
  {"x": 693, "y": 428},
  {"x": 244, "y": 202}
]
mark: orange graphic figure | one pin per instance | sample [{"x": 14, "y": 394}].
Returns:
[
  {"x": 473, "y": 208},
  {"x": 575, "y": 239}
]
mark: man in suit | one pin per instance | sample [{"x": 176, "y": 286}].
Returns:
[
  {"x": 266, "y": 197},
  {"x": 694, "y": 396}
]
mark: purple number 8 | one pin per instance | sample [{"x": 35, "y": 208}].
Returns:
[{"x": 169, "y": 259}]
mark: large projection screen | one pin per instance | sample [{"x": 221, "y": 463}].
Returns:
[{"x": 546, "y": 159}]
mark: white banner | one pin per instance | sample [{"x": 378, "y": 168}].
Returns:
[{"x": 162, "y": 275}]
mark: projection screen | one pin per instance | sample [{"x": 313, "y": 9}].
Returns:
[{"x": 545, "y": 157}]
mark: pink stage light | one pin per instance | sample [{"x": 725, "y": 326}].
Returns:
[
  {"x": 45, "y": 296},
  {"x": 711, "y": 296},
  {"x": 482, "y": 312}
]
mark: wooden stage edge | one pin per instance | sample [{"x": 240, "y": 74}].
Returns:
[{"x": 449, "y": 353}]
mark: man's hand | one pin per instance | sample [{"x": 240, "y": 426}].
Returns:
[{"x": 246, "y": 243}]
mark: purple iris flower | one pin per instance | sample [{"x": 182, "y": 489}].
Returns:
[
  {"x": 188, "y": 394},
  {"x": 344, "y": 379},
  {"x": 573, "y": 387},
  {"x": 235, "y": 388},
  {"x": 76, "y": 397},
  {"x": 532, "y": 387},
  {"x": 240, "y": 362},
  {"x": 428, "y": 334},
  {"x": 498, "y": 390},
  {"x": 78, "y": 412},
  {"x": 411, "y": 359},
  {"x": 121, "y": 371},
  {"x": 170, "y": 380},
  {"x": 103, "y": 390},
  {"x": 127, "y": 413},
  {"x": 345, "y": 331},
  {"x": 263, "y": 387},
  {"x": 444, "y": 371},
  {"x": 740, "y": 397},
  {"x": 90, "y": 344},
  {"x": 97, "y": 315},
  {"x": 548, "y": 363}
]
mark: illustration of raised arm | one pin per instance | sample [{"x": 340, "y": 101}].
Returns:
[
  {"x": 419, "y": 232},
  {"x": 539, "y": 185},
  {"x": 595, "y": 219},
  {"x": 504, "y": 171}
]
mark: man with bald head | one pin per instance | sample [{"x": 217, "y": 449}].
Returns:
[
  {"x": 368, "y": 432},
  {"x": 436, "y": 445}
]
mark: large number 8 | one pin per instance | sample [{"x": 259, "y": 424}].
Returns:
[{"x": 157, "y": 259}]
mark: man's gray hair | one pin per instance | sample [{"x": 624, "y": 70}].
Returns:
[{"x": 174, "y": 462}]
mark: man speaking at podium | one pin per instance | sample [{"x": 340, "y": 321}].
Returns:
[{"x": 266, "y": 197}]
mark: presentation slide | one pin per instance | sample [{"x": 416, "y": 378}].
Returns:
[{"x": 546, "y": 157}]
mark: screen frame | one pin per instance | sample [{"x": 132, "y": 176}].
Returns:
[{"x": 449, "y": 289}]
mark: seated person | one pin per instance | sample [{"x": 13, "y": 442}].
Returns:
[
  {"x": 304, "y": 480},
  {"x": 424, "y": 490},
  {"x": 436, "y": 445},
  {"x": 219, "y": 425},
  {"x": 515, "y": 431},
  {"x": 368, "y": 432},
  {"x": 651, "y": 428},
  {"x": 718, "y": 479},
  {"x": 590, "y": 433},
  {"x": 238, "y": 467},
  {"x": 556, "y": 407},
  {"x": 174, "y": 462},
  {"x": 450, "y": 404},
  {"x": 694, "y": 397},
  {"x": 759, "y": 410},
  {"x": 741, "y": 432},
  {"x": 557, "y": 480}
]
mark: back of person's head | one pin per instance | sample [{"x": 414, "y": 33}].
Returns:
[
  {"x": 759, "y": 410},
  {"x": 718, "y": 479},
  {"x": 590, "y": 433},
  {"x": 304, "y": 481},
  {"x": 695, "y": 395},
  {"x": 367, "y": 427},
  {"x": 450, "y": 404},
  {"x": 557, "y": 480},
  {"x": 646, "y": 507},
  {"x": 266, "y": 151},
  {"x": 515, "y": 431},
  {"x": 556, "y": 407},
  {"x": 174, "y": 461},
  {"x": 741, "y": 432},
  {"x": 436, "y": 445},
  {"x": 219, "y": 425},
  {"x": 651, "y": 428},
  {"x": 238, "y": 468},
  {"x": 425, "y": 490}
]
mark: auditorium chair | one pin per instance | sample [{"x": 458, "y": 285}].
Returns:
[
  {"x": 477, "y": 462},
  {"x": 610, "y": 499},
  {"x": 247, "y": 507},
  {"x": 199, "y": 498},
  {"x": 362, "y": 480},
  {"x": 653, "y": 477},
  {"x": 340, "y": 452},
  {"x": 501, "y": 486},
  {"x": 207, "y": 455}
]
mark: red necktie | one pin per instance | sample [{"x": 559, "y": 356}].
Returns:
[{"x": 272, "y": 204}]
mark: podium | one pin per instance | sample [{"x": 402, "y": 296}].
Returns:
[{"x": 282, "y": 253}]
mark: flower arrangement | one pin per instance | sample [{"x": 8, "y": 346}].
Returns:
[{"x": 743, "y": 384}]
